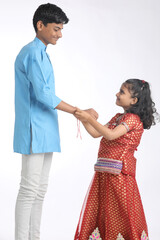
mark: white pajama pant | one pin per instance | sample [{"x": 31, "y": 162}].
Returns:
[{"x": 33, "y": 186}]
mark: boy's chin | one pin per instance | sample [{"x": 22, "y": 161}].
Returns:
[{"x": 53, "y": 43}]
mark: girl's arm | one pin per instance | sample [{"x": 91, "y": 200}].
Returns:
[
  {"x": 91, "y": 130},
  {"x": 104, "y": 131}
]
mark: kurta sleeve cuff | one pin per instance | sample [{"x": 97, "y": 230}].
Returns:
[{"x": 56, "y": 102}]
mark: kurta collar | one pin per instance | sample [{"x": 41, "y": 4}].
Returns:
[{"x": 40, "y": 44}]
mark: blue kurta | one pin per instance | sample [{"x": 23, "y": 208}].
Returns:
[{"x": 36, "y": 120}]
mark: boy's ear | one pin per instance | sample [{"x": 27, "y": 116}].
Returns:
[{"x": 40, "y": 25}]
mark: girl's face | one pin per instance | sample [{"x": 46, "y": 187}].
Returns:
[{"x": 124, "y": 98}]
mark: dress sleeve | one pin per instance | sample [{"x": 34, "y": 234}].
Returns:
[
  {"x": 113, "y": 120},
  {"x": 43, "y": 91},
  {"x": 129, "y": 121}
]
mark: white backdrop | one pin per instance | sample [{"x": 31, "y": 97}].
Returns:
[{"x": 105, "y": 43}]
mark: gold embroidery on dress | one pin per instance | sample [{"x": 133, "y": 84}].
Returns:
[
  {"x": 144, "y": 236},
  {"x": 95, "y": 235},
  {"x": 120, "y": 237}
]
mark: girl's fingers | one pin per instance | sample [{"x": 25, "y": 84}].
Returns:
[
  {"x": 77, "y": 113},
  {"x": 78, "y": 110}
]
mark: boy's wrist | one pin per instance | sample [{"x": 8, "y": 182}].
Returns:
[{"x": 74, "y": 110}]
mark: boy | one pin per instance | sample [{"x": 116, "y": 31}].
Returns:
[{"x": 36, "y": 134}]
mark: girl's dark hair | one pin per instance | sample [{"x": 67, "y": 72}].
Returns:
[
  {"x": 49, "y": 13},
  {"x": 144, "y": 107}
]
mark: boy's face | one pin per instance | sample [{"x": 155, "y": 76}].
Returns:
[{"x": 50, "y": 33}]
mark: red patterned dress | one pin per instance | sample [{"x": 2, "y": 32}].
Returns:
[{"x": 113, "y": 203}]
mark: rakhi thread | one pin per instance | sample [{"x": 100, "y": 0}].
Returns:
[{"x": 78, "y": 129}]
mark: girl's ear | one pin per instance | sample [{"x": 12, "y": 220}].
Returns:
[{"x": 134, "y": 100}]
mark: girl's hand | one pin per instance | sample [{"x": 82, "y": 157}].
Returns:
[
  {"x": 83, "y": 116},
  {"x": 92, "y": 112}
]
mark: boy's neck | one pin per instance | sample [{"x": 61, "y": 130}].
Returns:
[{"x": 41, "y": 39}]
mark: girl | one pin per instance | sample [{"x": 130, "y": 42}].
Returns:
[{"x": 112, "y": 208}]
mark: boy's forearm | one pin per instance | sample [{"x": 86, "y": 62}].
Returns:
[{"x": 63, "y": 106}]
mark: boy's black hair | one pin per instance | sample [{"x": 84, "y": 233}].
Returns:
[
  {"x": 49, "y": 13},
  {"x": 144, "y": 107}
]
